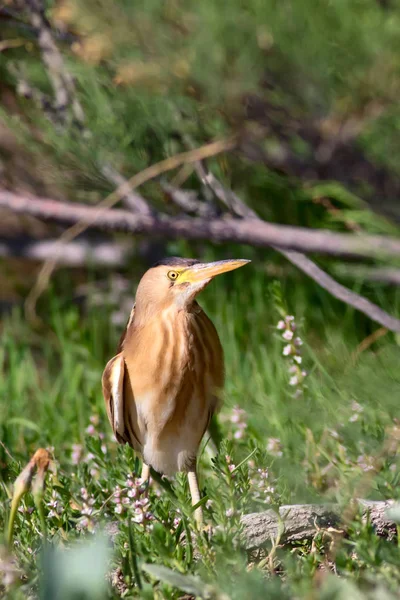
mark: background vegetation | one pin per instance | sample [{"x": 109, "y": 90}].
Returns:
[{"x": 310, "y": 93}]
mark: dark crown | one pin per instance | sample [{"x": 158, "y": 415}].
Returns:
[{"x": 176, "y": 261}]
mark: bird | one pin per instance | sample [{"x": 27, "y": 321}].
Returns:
[{"x": 165, "y": 383}]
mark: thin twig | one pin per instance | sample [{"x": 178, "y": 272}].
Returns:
[
  {"x": 133, "y": 201},
  {"x": 367, "y": 342}
]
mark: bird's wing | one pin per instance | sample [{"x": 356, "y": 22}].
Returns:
[
  {"x": 113, "y": 388},
  {"x": 118, "y": 396},
  {"x": 113, "y": 392}
]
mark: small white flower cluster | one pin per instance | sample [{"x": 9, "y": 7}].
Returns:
[
  {"x": 357, "y": 410},
  {"x": 262, "y": 483},
  {"x": 238, "y": 418},
  {"x": 236, "y": 421},
  {"x": 274, "y": 447},
  {"x": 76, "y": 454},
  {"x": 231, "y": 466},
  {"x": 366, "y": 463},
  {"x": 131, "y": 500},
  {"x": 292, "y": 351},
  {"x": 142, "y": 513},
  {"x": 55, "y": 504},
  {"x": 178, "y": 519},
  {"x": 88, "y": 502}
]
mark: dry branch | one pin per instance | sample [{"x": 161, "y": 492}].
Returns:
[
  {"x": 387, "y": 275},
  {"x": 341, "y": 292},
  {"x": 302, "y": 521},
  {"x": 78, "y": 253},
  {"x": 246, "y": 231}
]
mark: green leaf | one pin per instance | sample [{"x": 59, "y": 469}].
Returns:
[
  {"x": 78, "y": 572},
  {"x": 186, "y": 583},
  {"x": 24, "y": 423},
  {"x": 394, "y": 513}
]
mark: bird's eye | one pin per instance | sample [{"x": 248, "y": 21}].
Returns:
[{"x": 172, "y": 275}]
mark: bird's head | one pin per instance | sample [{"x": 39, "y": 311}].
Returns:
[{"x": 177, "y": 281}]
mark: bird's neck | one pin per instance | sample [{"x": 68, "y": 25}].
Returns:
[{"x": 144, "y": 316}]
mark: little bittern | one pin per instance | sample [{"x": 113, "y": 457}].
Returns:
[{"x": 164, "y": 385}]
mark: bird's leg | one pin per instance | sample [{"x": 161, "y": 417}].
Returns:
[
  {"x": 145, "y": 478},
  {"x": 195, "y": 494}
]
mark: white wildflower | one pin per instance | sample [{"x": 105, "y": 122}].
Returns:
[
  {"x": 287, "y": 335},
  {"x": 274, "y": 447}
]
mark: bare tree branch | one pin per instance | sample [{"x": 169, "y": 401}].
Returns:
[
  {"x": 387, "y": 275},
  {"x": 78, "y": 253},
  {"x": 341, "y": 292},
  {"x": 107, "y": 253},
  {"x": 247, "y": 231}
]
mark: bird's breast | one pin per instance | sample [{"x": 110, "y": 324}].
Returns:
[
  {"x": 175, "y": 372},
  {"x": 174, "y": 361}
]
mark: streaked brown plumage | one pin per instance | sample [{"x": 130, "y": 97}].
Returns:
[{"x": 165, "y": 383}]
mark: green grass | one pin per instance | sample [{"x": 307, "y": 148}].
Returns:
[{"x": 50, "y": 396}]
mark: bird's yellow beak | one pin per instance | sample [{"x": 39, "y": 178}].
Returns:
[{"x": 206, "y": 271}]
